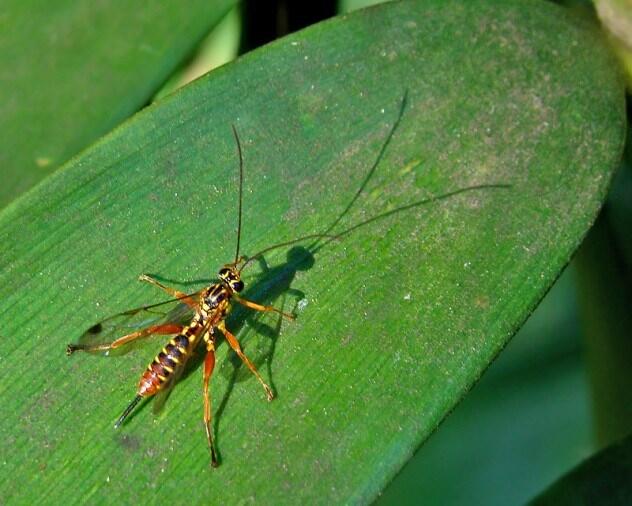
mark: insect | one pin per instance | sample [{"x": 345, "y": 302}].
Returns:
[{"x": 210, "y": 307}]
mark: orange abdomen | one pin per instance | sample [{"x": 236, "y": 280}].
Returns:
[{"x": 163, "y": 366}]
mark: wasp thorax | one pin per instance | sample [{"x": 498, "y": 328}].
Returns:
[{"x": 230, "y": 277}]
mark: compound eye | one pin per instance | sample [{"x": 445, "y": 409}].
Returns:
[
  {"x": 238, "y": 286},
  {"x": 223, "y": 272}
]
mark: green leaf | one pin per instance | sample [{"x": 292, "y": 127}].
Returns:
[
  {"x": 605, "y": 478},
  {"x": 395, "y": 322},
  {"x": 73, "y": 70}
]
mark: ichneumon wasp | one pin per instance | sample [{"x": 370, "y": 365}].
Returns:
[
  {"x": 201, "y": 316},
  {"x": 205, "y": 311}
]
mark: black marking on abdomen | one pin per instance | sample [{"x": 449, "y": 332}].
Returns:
[
  {"x": 181, "y": 341},
  {"x": 173, "y": 352},
  {"x": 166, "y": 360}
]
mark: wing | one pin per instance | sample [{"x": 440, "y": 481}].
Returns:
[{"x": 172, "y": 311}]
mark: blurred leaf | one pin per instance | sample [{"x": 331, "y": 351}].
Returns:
[
  {"x": 217, "y": 49},
  {"x": 604, "y": 479},
  {"x": 616, "y": 16},
  {"x": 396, "y": 321},
  {"x": 619, "y": 205},
  {"x": 72, "y": 70},
  {"x": 606, "y": 298}
]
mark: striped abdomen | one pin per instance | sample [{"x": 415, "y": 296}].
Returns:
[{"x": 165, "y": 363}]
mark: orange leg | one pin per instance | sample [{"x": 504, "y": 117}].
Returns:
[
  {"x": 167, "y": 328},
  {"x": 234, "y": 344},
  {"x": 260, "y": 307},
  {"x": 171, "y": 291},
  {"x": 209, "y": 364}
]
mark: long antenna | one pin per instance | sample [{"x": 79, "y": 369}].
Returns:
[
  {"x": 241, "y": 190},
  {"x": 333, "y": 237}
]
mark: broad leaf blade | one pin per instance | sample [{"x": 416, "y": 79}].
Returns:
[
  {"x": 72, "y": 70},
  {"x": 396, "y": 321}
]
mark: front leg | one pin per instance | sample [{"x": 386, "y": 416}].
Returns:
[
  {"x": 184, "y": 297},
  {"x": 234, "y": 344},
  {"x": 261, "y": 307}
]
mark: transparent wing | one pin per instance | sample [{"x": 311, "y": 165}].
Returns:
[{"x": 106, "y": 331}]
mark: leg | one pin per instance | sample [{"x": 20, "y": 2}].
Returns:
[
  {"x": 260, "y": 307},
  {"x": 167, "y": 328},
  {"x": 209, "y": 364},
  {"x": 234, "y": 344},
  {"x": 171, "y": 291}
]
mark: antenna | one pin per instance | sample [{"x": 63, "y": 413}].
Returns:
[
  {"x": 241, "y": 190},
  {"x": 326, "y": 234},
  {"x": 334, "y": 237}
]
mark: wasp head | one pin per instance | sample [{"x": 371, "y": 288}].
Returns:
[{"x": 229, "y": 276}]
